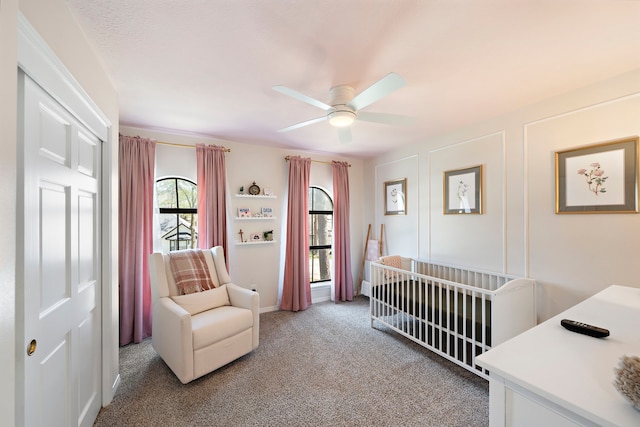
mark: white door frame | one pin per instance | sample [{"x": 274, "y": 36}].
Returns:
[{"x": 40, "y": 63}]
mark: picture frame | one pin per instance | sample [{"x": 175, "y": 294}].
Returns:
[
  {"x": 256, "y": 237},
  {"x": 395, "y": 197},
  {"x": 244, "y": 213},
  {"x": 598, "y": 178},
  {"x": 462, "y": 191},
  {"x": 267, "y": 212}
]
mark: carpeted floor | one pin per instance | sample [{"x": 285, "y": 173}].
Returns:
[{"x": 321, "y": 367}]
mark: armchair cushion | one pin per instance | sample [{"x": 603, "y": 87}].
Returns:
[
  {"x": 198, "y": 302},
  {"x": 214, "y": 326}
]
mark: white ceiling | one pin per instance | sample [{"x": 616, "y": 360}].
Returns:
[{"x": 206, "y": 67}]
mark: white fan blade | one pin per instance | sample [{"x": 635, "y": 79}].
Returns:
[
  {"x": 344, "y": 135},
  {"x": 378, "y": 90},
  {"x": 301, "y": 124},
  {"x": 302, "y": 97},
  {"x": 388, "y": 119}
]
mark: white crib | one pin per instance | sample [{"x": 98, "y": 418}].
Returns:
[{"x": 456, "y": 312}]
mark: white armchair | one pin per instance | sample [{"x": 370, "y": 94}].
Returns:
[{"x": 198, "y": 333}]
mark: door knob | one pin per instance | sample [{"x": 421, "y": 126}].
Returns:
[{"x": 31, "y": 348}]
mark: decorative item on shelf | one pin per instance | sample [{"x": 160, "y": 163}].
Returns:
[
  {"x": 255, "y": 237},
  {"x": 268, "y": 191},
  {"x": 241, "y": 189},
  {"x": 244, "y": 213},
  {"x": 627, "y": 380},
  {"x": 267, "y": 212},
  {"x": 241, "y": 233},
  {"x": 268, "y": 235},
  {"x": 254, "y": 189}
]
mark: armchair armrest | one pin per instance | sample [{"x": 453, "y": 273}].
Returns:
[
  {"x": 241, "y": 297},
  {"x": 173, "y": 340},
  {"x": 245, "y": 298}
]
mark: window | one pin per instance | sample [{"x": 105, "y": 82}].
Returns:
[
  {"x": 320, "y": 234},
  {"x": 178, "y": 204}
]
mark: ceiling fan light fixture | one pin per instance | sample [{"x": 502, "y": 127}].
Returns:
[{"x": 342, "y": 118}]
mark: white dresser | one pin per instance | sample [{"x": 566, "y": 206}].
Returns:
[{"x": 549, "y": 376}]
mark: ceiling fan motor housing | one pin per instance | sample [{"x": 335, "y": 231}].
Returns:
[
  {"x": 341, "y": 95},
  {"x": 342, "y": 114}
]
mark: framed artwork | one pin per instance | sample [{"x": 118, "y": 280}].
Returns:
[
  {"x": 395, "y": 197},
  {"x": 463, "y": 191},
  {"x": 244, "y": 212},
  {"x": 599, "y": 178},
  {"x": 256, "y": 237}
]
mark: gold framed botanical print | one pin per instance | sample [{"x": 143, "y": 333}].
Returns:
[{"x": 598, "y": 178}]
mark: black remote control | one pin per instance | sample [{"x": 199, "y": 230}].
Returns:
[{"x": 583, "y": 328}]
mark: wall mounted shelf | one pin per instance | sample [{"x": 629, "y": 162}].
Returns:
[
  {"x": 250, "y": 196},
  {"x": 246, "y": 224},
  {"x": 255, "y": 218},
  {"x": 260, "y": 242}
]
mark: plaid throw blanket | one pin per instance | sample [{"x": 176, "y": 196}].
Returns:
[{"x": 190, "y": 271}]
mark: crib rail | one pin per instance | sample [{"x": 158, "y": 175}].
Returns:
[
  {"x": 446, "y": 309},
  {"x": 476, "y": 278}
]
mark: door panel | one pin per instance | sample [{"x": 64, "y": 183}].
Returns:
[
  {"x": 53, "y": 231},
  {"x": 53, "y": 394},
  {"x": 61, "y": 263}
]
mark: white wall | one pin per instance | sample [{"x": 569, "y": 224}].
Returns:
[
  {"x": 53, "y": 21},
  {"x": 571, "y": 256},
  {"x": 449, "y": 239},
  {"x": 397, "y": 225},
  {"x": 259, "y": 266}
]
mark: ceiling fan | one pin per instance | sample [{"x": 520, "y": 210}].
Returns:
[{"x": 345, "y": 107}]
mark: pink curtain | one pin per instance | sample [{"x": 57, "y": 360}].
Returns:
[
  {"x": 137, "y": 162},
  {"x": 343, "y": 280},
  {"x": 212, "y": 197},
  {"x": 296, "y": 287}
]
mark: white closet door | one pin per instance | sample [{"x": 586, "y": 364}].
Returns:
[{"x": 60, "y": 207}]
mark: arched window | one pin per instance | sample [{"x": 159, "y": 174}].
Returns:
[
  {"x": 320, "y": 234},
  {"x": 178, "y": 205}
]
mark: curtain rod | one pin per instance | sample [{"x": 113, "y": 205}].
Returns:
[
  {"x": 173, "y": 144},
  {"x": 315, "y": 161}
]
